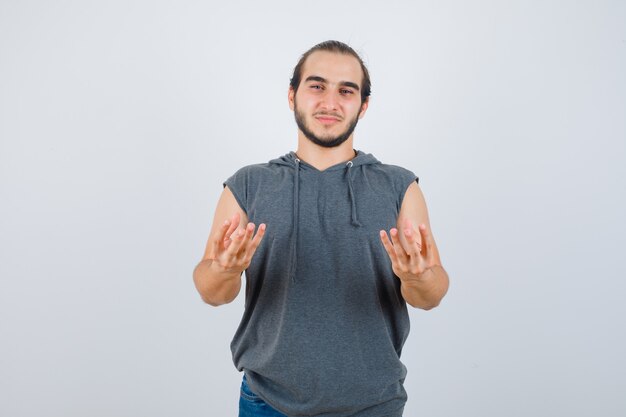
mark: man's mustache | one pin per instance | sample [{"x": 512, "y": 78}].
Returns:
[{"x": 335, "y": 115}]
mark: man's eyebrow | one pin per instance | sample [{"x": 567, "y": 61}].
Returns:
[
  {"x": 350, "y": 84},
  {"x": 323, "y": 80},
  {"x": 315, "y": 78}
]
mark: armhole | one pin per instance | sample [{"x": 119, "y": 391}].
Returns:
[
  {"x": 405, "y": 188},
  {"x": 237, "y": 195}
]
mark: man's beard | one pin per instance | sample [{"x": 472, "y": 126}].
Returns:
[{"x": 326, "y": 142}]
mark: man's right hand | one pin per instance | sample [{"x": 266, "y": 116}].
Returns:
[
  {"x": 228, "y": 252},
  {"x": 232, "y": 246}
]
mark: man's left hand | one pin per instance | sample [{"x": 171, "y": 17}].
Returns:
[{"x": 409, "y": 258}]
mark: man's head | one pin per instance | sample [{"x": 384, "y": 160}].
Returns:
[
  {"x": 328, "y": 92},
  {"x": 338, "y": 48}
]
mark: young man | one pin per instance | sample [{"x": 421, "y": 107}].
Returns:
[{"x": 325, "y": 313}]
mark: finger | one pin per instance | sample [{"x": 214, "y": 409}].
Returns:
[
  {"x": 234, "y": 223},
  {"x": 219, "y": 236},
  {"x": 397, "y": 245},
  {"x": 411, "y": 238},
  {"x": 388, "y": 246},
  {"x": 247, "y": 237},
  {"x": 427, "y": 240},
  {"x": 415, "y": 234},
  {"x": 236, "y": 241},
  {"x": 221, "y": 232},
  {"x": 255, "y": 242},
  {"x": 413, "y": 246}
]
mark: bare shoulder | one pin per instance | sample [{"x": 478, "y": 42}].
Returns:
[
  {"x": 414, "y": 205},
  {"x": 414, "y": 209},
  {"x": 227, "y": 207}
]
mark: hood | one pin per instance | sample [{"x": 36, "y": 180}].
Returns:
[
  {"x": 291, "y": 160},
  {"x": 361, "y": 158}
]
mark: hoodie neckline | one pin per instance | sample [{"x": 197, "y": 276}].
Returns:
[
  {"x": 360, "y": 158},
  {"x": 339, "y": 165}
]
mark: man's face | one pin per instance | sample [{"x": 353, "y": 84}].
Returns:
[{"x": 327, "y": 105}]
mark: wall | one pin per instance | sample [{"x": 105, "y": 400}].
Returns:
[{"x": 119, "y": 121}]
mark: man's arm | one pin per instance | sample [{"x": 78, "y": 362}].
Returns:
[
  {"x": 228, "y": 252},
  {"x": 414, "y": 254}
]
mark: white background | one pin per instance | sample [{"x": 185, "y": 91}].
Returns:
[{"x": 119, "y": 120}]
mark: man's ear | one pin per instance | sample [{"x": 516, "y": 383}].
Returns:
[
  {"x": 364, "y": 107},
  {"x": 290, "y": 97}
]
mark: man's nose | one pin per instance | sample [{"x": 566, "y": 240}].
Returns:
[{"x": 330, "y": 100}]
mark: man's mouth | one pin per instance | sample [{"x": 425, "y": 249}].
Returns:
[{"x": 326, "y": 119}]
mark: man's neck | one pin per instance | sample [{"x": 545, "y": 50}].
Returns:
[{"x": 322, "y": 158}]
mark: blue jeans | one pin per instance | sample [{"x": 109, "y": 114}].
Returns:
[{"x": 251, "y": 405}]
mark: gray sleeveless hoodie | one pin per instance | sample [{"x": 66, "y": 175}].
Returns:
[{"x": 324, "y": 320}]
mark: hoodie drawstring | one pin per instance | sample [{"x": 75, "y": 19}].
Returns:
[
  {"x": 296, "y": 213},
  {"x": 355, "y": 220},
  {"x": 294, "y": 237}
]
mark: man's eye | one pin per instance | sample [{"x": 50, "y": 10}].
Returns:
[
  {"x": 344, "y": 91},
  {"x": 316, "y": 87}
]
